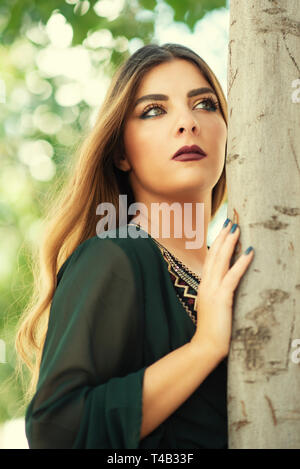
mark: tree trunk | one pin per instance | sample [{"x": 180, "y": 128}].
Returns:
[{"x": 263, "y": 177}]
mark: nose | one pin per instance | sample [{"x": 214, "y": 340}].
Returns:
[{"x": 188, "y": 124}]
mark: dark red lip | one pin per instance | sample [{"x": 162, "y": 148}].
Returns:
[{"x": 191, "y": 149}]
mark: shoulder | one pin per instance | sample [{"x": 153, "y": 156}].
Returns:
[
  {"x": 120, "y": 250},
  {"x": 99, "y": 276}
]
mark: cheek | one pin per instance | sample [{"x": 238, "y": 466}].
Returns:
[
  {"x": 221, "y": 143},
  {"x": 222, "y": 132},
  {"x": 141, "y": 145},
  {"x": 219, "y": 135}
]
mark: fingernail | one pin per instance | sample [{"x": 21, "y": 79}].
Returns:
[
  {"x": 249, "y": 249},
  {"x": 233, "y": 228},
  {"x": 226, "y": 222}
]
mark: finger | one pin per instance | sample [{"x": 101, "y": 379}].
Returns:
[
  {"x": 226, "y": 252},
  {"x": 216, "y": 246},
  {"x": 220, "y": 237},
  {"x": 234, "y": 274}
]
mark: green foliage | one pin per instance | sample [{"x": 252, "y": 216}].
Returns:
[
  {"x": 148, "y": 4},
  {"x": 190, "y": 11},
  {"x": 22, "y": 13}
]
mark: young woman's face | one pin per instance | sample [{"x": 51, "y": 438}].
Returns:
[{"x": 157, "y": 128}]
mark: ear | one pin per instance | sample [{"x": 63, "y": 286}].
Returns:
[{"x": 121, "y": 162}]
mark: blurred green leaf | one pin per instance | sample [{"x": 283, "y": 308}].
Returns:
[
  {"x": 148, "y": 4},
  {"x": 26, "y": 12},
  {"x": 191, "y": 11}
]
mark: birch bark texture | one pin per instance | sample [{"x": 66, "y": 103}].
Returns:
[{"x": 263, "y": 178}]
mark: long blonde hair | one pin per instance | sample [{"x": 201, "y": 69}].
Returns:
[{"x": 93, "y": 178}]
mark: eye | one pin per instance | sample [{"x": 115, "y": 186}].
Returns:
[
  {"x": 210, "y": 103},
  {"x": 145, "y": 113}
]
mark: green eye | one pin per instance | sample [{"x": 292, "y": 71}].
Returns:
[
  {"x": 211, "y": 103},
  {"x": 147, "y": 110}
]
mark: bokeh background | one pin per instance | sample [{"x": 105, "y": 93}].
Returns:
[{"x": 56, "y": 61}]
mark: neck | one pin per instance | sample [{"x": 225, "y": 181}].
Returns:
[{"x": 182, "y": 231}]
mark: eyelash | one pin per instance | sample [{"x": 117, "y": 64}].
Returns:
[{"x": 213, "y": 104}]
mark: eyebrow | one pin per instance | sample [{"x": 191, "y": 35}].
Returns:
[{"x": 164, "y": 97}]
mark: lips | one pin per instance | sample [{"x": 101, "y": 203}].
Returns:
[{"x": 186, "y": 153}]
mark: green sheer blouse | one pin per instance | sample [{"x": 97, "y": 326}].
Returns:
[{"x": 114, "y": 313}]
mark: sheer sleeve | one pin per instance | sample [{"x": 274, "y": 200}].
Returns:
[{"x": 89, "y": 392}]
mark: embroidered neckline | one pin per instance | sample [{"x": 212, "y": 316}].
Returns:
[
  {"x": 186, "y": 292},
  {"x": 173, "y": 259}
]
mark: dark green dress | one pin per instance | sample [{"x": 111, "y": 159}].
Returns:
[{"x": 115, "y": 312}]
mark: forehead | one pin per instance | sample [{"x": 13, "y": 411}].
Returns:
[{"x": 178, "y": 73}]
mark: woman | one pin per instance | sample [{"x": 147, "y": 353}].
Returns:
[{"x": 134, "y": 351}]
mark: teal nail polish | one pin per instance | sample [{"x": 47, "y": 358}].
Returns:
[
  {"x": 226, "y": 222},
  {"x": 248, "y": 250},
  {"x": 233, "y": 228}
]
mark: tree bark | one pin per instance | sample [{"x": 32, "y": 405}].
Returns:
[{"x": 263, "y": 177}]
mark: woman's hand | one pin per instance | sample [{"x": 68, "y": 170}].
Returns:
[{"x": 216, "y": 292}]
